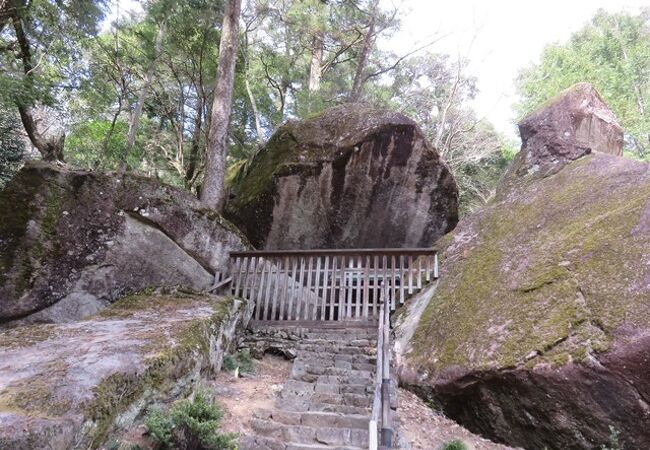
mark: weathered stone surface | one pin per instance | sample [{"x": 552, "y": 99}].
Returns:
[
  {"x": 72, "y": 242},
  {"x": 538, "y": 333},
  {"x": 352, "y": 177},
  {"x": 65, "y": 386},
  {"x": 574, "y": 123}
]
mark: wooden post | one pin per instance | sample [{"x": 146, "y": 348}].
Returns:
[
  {"x": 375, "y": 287},
  {"x": 357, "y": 276},
  {"x": 419, "y": 279},
  {"x": 237, "y": 275},
  {"x": 260, "y": 289},
  {"x": 276, "y": 288},
  {"x": 269, "y": 282}
]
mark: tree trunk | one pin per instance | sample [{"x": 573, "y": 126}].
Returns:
[
  {"x": 315, "y": 69},
  {"x": 368, "y": 41},
  {"x": 50, "y": 147},
  {"x": 213, "y": 193},
  {"x": 195, "y": 145},
  {"x": 142, "y": 96}
]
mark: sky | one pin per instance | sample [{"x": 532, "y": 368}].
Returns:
[{"x": 500, "y": 37}]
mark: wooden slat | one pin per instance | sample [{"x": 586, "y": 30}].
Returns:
[
  {"x": 357, "y": 279},
  {"x": 435, "y": 266},
  {"x": 375, "y": 287},
  {"x": 292, "y": 280},
  {"x": 344, "y": 296},
  {"x": 393, "y": 280},
  {"x": 308, "y": 290},
  {"x": 237, "y": 273},
  {"x": 276, "y": 288},
  {"x": 269, "y": 283},
  {"x": 250, "y": 279},
  {"x": 316, "y": 289},
  {"x": 323, "y": 309},
  {"x": 301, "y": 289},
  {"x": 402, "y": 281},
  {"x": 410, "y": 263},
  {"x": 339, "y": 252},
  {"x": 366, "y": 287},
  {"x": 333, "y": 288},
  {"x": 260, "y": 289},
  {"x": 427, "y": 269},
  {"x": 419, "y": 279},
  {"x": 285, "y": 282}
]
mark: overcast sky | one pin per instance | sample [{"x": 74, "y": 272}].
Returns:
[{"x": 509, "y": 35}]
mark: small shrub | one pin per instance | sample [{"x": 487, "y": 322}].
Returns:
[
  {"x": 614, "y": 440},
  {"x": 159, "y": 427},
  {"x": 229, "y": 363},
  {"x": 191, "y": 424},
  {"x": 456, "y": 444},
  {"x": 243, "y": 360}
]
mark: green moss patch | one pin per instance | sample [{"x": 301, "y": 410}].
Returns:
[{"x": 551, "y": 274}]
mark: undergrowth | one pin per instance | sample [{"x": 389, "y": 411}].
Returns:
[
  {"x": 191, "y": 424},
  {"x": 241, "y": 360}
]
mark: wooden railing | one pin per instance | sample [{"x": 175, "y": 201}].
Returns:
[
  {"x": 380, "y": 429},
  {"x": 329, "y": 284}
]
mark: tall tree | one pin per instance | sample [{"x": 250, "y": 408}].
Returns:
[
  {"x": 39, "y": 48},
  {"x": 213, "y": 192}
]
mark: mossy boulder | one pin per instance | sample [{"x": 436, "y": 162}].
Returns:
[
  {"x": 354, "y": 176},
  {"x": 72, "y": 242},
  {"x": 538, "y": 333},
  {"x": 65, "y": 386}
]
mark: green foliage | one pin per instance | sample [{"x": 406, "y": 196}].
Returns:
[
  {"x": 613, "y": 53},
  {"x": 12, "y": 146},
  {"x": 191, "y": 424},
  {"x": 456, "y": 444},
  {"x": 241, "y": 360},
  {"x": 614, "y": 442}
]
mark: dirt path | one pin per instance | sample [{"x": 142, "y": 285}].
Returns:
[{"x": 426, "y": 429}]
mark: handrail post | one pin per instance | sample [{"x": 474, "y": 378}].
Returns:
[{"x": 386, "y": 429}]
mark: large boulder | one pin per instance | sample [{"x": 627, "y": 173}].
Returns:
[
  {"x": 72, "y": 242},
  {"x": 351, "y": 177},
  {"x": 74, "y": 385},
  {"x": 538, "y": 333}
]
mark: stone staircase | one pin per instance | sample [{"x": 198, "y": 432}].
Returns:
[{"x": 326, "y": 403}]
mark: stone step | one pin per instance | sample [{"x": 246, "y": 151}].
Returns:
[
  {"x": 328, "y": 387},
  {"x": 314, "y": 419},
  {"x": 310, "y": 435},
  {"x": 330, "y": 356},
  {"x": 301, "y": 368},
  {"x": 293, "y": 446},
  {"x": 362, "y": 400},
  {"x": 337, "y": 363},
  {"x": 308, "y": 405}
]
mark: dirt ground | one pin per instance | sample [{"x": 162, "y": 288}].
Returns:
[
  {"x": 421, "y": 427},
  {"x": 426, "y": 429},
  {"x": 240, "y": 396}
]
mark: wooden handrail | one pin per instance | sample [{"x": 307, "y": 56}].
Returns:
[{"x": 339, "y": 252}]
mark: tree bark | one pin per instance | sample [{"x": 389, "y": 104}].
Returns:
[
  {"x": 368, "y": 42},
  {"x": 213, "y": 193},
  {"x": 142, "y": 96}
]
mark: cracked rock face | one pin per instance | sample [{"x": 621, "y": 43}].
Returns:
[
  {"x": 353, "y": 177},
  {"x": 538, "y": 333},
  {"x": 72, "y": 242}
]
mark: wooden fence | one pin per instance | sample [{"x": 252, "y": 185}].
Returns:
[{"x": 329, "y": 284}]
